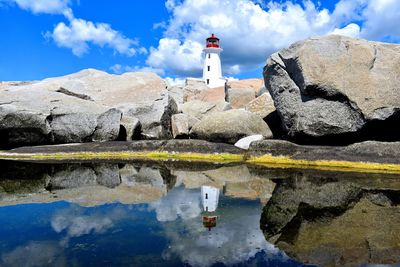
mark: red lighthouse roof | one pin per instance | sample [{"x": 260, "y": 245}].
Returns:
[
  {"x": 213, "y": 37},
  {"x": 212, "y": 41}
]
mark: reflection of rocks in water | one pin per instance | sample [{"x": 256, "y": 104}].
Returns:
[
  {"x": 86, "y": 184},
  {"x": 22, "y": 178},
  {"x": 335, "y": 222},
  {"x": 236, "y": 181},
  {"x": 96, "y": 183},
  {"x": 73, "y": 176}
]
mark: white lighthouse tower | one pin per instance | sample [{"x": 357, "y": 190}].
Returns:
[{"x": 212, "y": 73}]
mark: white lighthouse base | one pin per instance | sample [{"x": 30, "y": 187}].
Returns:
[{"x": 216, "y": 83}]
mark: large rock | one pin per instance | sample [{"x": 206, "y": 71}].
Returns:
[
  {"x": 181, "y": 125},
  {"x": 262, "y": 105},
  {"x": 34, "y": 114},
  {"x": 137, "y": 94},
  {"x": 154, "y": 117},
  {"x": 197, "y": 90},
  {"x": 84, "y": 106},
  {"x": 130, "y": 128},
  {"x": 240, "y": 93},
  {"x": 334, "y": 85},
  {"x": 199, "y": 109},
  {"x": 230, "y": 126}
]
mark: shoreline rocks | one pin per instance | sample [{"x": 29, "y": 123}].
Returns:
[
  {"x": 82, "y": 107},
  {"x": 230, "y": 126},
  {"x": 333, "y": 86},
  {"x": 334, "y": 222},
  {"x": 364, "y": 152}
]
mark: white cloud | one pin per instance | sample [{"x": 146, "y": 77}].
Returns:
[
  {"x": 175, "y": 81},
  {"x": 248, "y": 33},
  {"x": 43, "y": 6},
  {"x": 80, "y": 33},
  {"x": 171, "y": 54},
  {"x": 252, "y": 30},
  {"x": 382, "y": 20},
  {"x": 351, "y": 30}
]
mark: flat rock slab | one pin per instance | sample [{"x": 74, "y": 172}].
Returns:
[
  {"x": 367, "y": 152},
  {"x": 193, "y": 146}
]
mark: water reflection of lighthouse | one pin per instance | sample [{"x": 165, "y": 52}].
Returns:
[{"x": 209, "y": 198}]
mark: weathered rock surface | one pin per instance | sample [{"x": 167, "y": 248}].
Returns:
[
  {"x": 335, "y": 222},
  {"x": 198, "y": 108},
  {"x": 32, "y": 114},
  {"x": 197, "y": 90},
  {"x": 240, "y": 93},
  {"x": 154, "y": 117},
  {"x": 369, "y": 151},
  {"x": 174, "y": 145},
  {"x": 84, "y": 106},
  {"x": 181, "y": 125},
  {"x": 130, "y": 128},
  {"x": 333, "y": 85},
  {"x": 230, "y": 126},
  {"x": 262, "y": 105}
]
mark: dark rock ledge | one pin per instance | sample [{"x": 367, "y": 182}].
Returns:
[{"x": 371, "y": 151}]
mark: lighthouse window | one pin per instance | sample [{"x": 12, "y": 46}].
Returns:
[
  {"x": 208, "y": 68},
  {"x": 208, "y": 81},
  {"x": 209, "y": 55},
  {"x": 206, "y": 196}
]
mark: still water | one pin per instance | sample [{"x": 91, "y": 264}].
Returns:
[{"x": 141, "y": 214}]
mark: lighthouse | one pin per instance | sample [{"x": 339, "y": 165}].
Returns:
[
  {"x": 210, "y": 196},
  {"x": 212, "y": 73}
]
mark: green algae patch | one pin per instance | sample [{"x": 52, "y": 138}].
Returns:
[
  {"x": 332, "y": 165},
  {"x": 264, "y": 160},
  {"x": 154, "y": 155}
]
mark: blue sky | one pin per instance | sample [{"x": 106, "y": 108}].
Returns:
[{"x": 45, "y": 38}]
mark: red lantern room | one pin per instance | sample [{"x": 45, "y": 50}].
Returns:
[{"x": 212, "y": 41}]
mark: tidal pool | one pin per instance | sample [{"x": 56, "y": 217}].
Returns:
[{"x": 171, "y": 214}]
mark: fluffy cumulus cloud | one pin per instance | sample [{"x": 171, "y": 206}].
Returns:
[
  {"x": 42, "y": 6},
  {"x": 351, "y": 30},
  {"x": 381, "y": 20},
  {"x": 252, "y": 30},
  {"x": 177, "y": 57},
  {"x": 79, "y": 33}
]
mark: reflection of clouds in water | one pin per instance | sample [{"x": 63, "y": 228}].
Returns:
[
  {"x": 231, "y": 242},
  {"x": 236, "y": 238},
  {"x": 35, "y": 253},
  {"x": 80, "y": 225},
  {"x": 75, "y": 223},
  {"x": 178, "y": 203}
]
